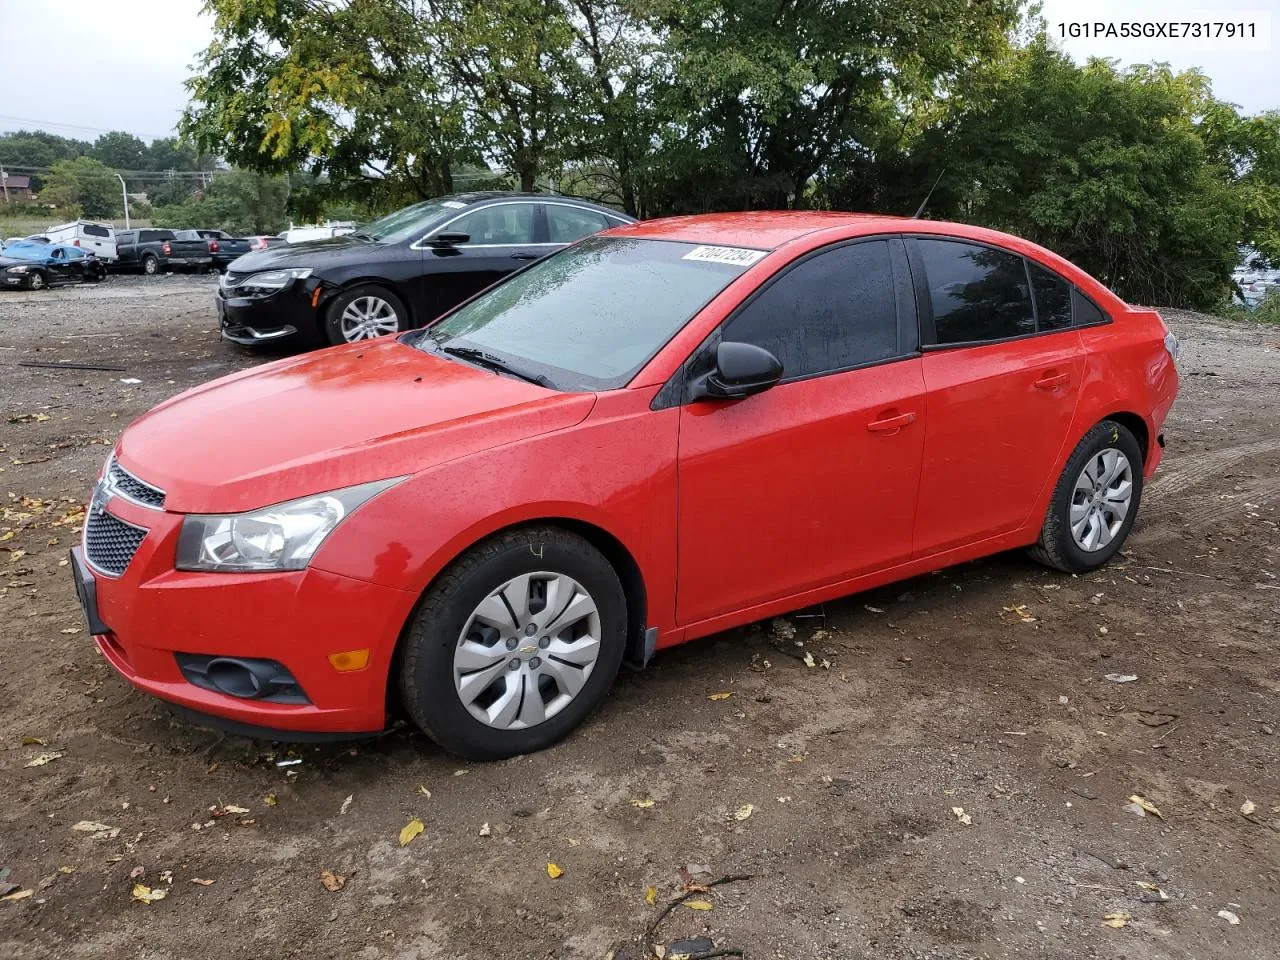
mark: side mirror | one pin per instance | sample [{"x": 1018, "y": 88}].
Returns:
[
  {"x": 741, "y": 370},
  {"x": 449, "y": 239}
]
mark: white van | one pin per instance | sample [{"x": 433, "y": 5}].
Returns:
[{"x": 97, "y": 238}]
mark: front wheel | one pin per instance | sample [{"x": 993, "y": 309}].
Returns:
[
  {"x": 365, "y": 312},
  {"x": 36, "y": 280},
  {"x": 514, "y": 644},
  {"x": 1095, "y": 501}
]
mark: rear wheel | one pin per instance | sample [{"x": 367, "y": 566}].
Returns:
[
  {"x": 514, "y": 644},
  {"x": 1095, "y": 501},
  {"x": 365, "y": 312},
  {"x": 150, "y": 265}
]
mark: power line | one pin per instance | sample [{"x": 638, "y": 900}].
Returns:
[{"x": 76, "y": 126}]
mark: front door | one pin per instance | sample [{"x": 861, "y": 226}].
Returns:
[
  {"x": 502, "y": 239},
  {"x": 813, "y": 481},
  {"x": 1002, "y": 392}
]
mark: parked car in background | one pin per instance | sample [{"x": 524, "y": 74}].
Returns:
[
  {"x": 35, "y": 266},
  {"x": 659, "y": 433},
  {"x": 318, "y": 231},
  {"x": 400, "y": 271},
  {"x": 153, "y": 250},
  {"x": 224, "y": 247},
  {"x": 98, "y": 238}
]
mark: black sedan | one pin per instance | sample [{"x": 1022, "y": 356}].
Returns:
[
  {"x": 399, "y": 272},
  {"x": 34, "y": 266}
]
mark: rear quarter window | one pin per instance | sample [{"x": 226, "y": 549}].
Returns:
[{"x": 1084, "y": 310}]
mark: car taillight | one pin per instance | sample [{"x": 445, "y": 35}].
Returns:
[
  {"x": 165, "y": 248},
  {"x": 76, "y": 242},
  {"x": 213, "y": 246},
  {"x": 1170, "y": 341},
  {"x": 258, "y": 243}
]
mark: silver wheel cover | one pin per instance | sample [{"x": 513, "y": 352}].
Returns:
[
  {"x": 1101, "y": 499},
  {"x": 367, "y": 317},
  {"x": 527, "y": 650}
]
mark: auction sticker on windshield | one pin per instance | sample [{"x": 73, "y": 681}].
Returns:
[{"x": 734, "y": 256}]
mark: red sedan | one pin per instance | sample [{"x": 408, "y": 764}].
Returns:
[{"x": 663, "y": 431}]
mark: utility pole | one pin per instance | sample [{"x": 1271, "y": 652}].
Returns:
[
  {"x": 4, "y": 182},
  {"x": 124, "y": 193}
]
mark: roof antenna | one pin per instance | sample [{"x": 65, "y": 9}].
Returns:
[{"x": 925, "y": 201}]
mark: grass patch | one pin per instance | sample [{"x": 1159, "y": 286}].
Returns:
[{"x": 1267, "y": 311}]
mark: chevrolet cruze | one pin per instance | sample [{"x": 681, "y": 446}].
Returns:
[{"x": 660, "y": 432}]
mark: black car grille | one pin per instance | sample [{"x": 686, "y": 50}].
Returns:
[
  {"x": 126, "y": 484},
  {"x": 110, "y": 543}
]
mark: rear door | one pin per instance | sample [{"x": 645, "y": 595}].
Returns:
[
  {"x": 813, "y": 481},
  {"x": 1003, "y": 376},
  {"x": 569, "y": 222},
  {"x": 504, "y": 237}
]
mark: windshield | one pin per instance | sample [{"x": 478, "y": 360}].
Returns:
[
  {"x": 409, "y": 223},
  {"x": 27, "y": 251},
  {"x": 589, "y": 317}
]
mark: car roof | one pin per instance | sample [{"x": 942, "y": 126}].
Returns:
[
  {"x": 758, "y": 229},
  {"x": 486, "y": 196}
]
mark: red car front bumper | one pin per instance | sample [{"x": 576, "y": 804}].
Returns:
[{"x": 153, "y": 612}]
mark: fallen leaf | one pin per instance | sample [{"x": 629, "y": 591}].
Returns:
[
  {"x": 960, "y": 815},
  {"x": 485, "y": 830},
  {"x": 1116, "y": 920},
  {"x": 743, "y": 812},
  {"x": 100, "y": 831},
  {"x": 1246, "y": 808},
  {"x": 461, "y": 773},
  {"x": 644, "y": 804},
  {"x": 411, "y": 830},
  {"x": 1021, "y": 611},
  {"x": 202, "y": 882},
  {"x": 23, "y": 894},
  {"x": 41, "y": 760},
  {"x": 70, "y": 630},
  {"x": 229, "y": 808},
  {"x": 720, "y": 696},
  {"x": 697, "y": 904},
  {"x": 333, "y": 882},
  {"x": 872, "y": 609},
  {"x": 651, "y": 895},
  {"x": 424, "y": 791},
  {"x": 1121, "y": 677},
  {"x": 808, "y": 659},
  {"x": 1228, "y": 916},
  {"x": 66, "y": 869},
  {"x": 270, "y": 800},
  {"x": 1152, "y": 888},
  {"x": 32, "y": 742},
  {"x": 346, "y": 804},
  {"x": 136, "y": 873},
  {"x": 554, "y": 872},
  {"x": 144, "y": 894},
  {"x": 1142, "y": 807}
]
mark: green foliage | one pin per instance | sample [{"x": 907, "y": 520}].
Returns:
[
  {"x": 1266, "y": 311},
  {"x": 86, "y": 184},
  {"x": 120, "y": 150},
  {"x": 239, "y": 201}
]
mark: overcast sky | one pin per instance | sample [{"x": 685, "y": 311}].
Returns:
[{"x": 120, "y": 64}]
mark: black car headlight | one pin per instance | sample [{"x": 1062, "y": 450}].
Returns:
[
  {"x": 280, "y": 537},
  {"x": 21, "y": 268},
  {"x": 272, "y": 281}
]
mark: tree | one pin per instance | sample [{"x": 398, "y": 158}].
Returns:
[
  {"x": 120, "y": 150},
  {"x": 84, "y": 183},
  {"x": 238, "y": 201}
]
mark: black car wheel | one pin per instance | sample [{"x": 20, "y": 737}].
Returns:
[
  {"x": 514, "y": 644},
  {"x": 150, "y": 265},
  {"x": 365, "y": 312},
  {"x": 36, "y": 280}
]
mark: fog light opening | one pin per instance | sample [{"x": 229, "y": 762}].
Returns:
[{"x": 235, "y": 679}]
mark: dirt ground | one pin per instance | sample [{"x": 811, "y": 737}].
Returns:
[{"x": 982, "y": 687}]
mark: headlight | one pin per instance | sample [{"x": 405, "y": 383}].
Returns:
[
  {"x": 275, "y": 279},
  {"x": 282, "y": 537},
  {"x": 19, "y": 269}
]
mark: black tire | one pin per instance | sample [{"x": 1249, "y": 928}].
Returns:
[
  {"x": 1057, "y": 547},
  {"x": 333, "y": 315},
  {"x": 36, "y": 280},
  {"x": 150, "y": 265},
  {"x": 426, "y": 671}
]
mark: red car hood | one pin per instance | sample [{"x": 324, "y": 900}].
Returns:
[{"x": 331, "y": 419}]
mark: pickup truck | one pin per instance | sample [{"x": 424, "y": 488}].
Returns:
[
  {"x": 224, "y": 246},
  {"x": 152, "y": 251}
]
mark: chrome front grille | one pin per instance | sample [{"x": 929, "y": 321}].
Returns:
[
  {"x": 109, "y": 542},
  {"x": 123, "y": 483}
]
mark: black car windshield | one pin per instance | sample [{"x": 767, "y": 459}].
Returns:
[
  {"x": 410, "y": 222},
  {"x": 589, "y": 317}
]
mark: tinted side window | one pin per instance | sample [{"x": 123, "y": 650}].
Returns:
[
  {"x": 567, "y": 224},
  {"x": 1085, "y": 310},
  {"x": 507, "y": 223},
  {"x": 93, "y": 230},
  {"x": 833, "y": 311},
  {"x": 978, "y": 293},
  {"x": 125, "y": 236},
  {"x": 1053, "y": 298}
]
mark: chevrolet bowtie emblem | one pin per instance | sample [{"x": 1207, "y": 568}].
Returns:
[{"x": 529, "y": 649}]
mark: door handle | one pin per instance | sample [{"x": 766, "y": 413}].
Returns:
[
  {"x": 891, "y": 424},
  {"x": 524, "y": 256},
  {"x": 1052, "y": 381}
]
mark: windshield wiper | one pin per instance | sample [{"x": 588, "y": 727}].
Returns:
[
  {"x": 361, "y": 235},
  {"x": 483, "y": 359}
]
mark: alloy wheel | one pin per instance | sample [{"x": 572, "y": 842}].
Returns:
[
  {"x": 1101, "y": 499},
  {"x": 37, "y": 281},
  {"x": 367, "y": 317},
  {"x": 527, "y": 650}
]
